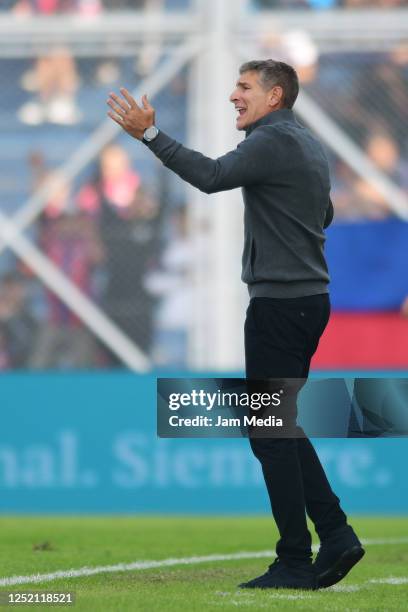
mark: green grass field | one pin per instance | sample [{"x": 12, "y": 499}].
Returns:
[{"x": 37, "y": 545}]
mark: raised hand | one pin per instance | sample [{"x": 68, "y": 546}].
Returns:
[{"x": 131, "y": 117}]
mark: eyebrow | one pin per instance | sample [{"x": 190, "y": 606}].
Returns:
[{"x": 240, "y": 83}]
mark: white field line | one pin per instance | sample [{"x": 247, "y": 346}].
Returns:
[
  {"x": 144, "y": 565},
  {"x": 128, "y": 567},
  {"x": 383, "y": 541},
  {"x": 345, "y": 588},
  {"x": 390, "y": 580}
]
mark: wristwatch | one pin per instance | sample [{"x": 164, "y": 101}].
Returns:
[{"x": 150, "y": 134}]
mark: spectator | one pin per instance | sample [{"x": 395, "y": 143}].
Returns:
[
  {"x": 343, "y": 196},
  {"x": 146, "y": 5},
  {"x": 124, "y": 5},
  {"x": 55, "y": 79},
  {"x": 172, "y": 283},
  {"x": 128, "y": 220},
  {"x": 383, "y": 150},
  {"x": 52, "y": 7},
  {"x": 17, "y": 325},
  {"x": 354, "y": 197},
  {"x": 68, "y": 238},
  {"x": 381, "y": 97},
  {"x": 7, "y": 5},
  {"x": 295, "y": 47},
  {"x": 5, "y": 361}
]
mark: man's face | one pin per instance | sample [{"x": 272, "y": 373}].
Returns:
[{"x": 252, "y": 101}]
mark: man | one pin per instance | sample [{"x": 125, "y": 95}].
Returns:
[{"x": 284, "y": 176}]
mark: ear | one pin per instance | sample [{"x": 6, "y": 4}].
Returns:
[{"x": 275, "y": 96}]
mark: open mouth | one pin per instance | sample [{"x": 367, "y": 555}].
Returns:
[{"x": 241, "y": 111}]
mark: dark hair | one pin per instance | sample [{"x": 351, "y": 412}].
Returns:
[{"x": 275, "y": 73}]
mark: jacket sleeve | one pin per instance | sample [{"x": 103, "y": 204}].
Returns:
[
  {"x": 329, "y": 214},
  {"x": 250, "y": 163}
]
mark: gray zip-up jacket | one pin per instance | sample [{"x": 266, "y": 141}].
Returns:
[{"x": 284, "y": 175}]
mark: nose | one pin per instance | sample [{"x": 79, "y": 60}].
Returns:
[{"x": 234, "y": 96}]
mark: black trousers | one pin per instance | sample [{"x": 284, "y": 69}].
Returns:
[{"x": 281, "y": 336}]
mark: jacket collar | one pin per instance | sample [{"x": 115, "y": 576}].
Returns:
[{"x": 284, "y": 114}]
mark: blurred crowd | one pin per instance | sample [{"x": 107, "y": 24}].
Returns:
[
  {"x": 366, "y": 96},
  {"x": 120, "y": 243},
  {"x": 371, "y": 105},
  {"x": 114, "y": 241},
  {"x": 117, "y": 239},
  {"x": 86, "y": 7},
  {"x": 94, "y": 7}
]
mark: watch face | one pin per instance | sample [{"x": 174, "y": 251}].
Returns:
[{"x": 151, "y": 133}]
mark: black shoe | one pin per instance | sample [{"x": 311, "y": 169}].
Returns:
[
  {"x": 281, "y": 576},
  {"x": 337, "y": 556}
]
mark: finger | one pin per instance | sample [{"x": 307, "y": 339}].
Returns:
[
  {"x": 131, "y": 101},
  {"x": 119, "y": 101},
  {"x": 118, "y": 109},
  {"x": 115, "y": 118},
  {"x": 145, "y": 102}
]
